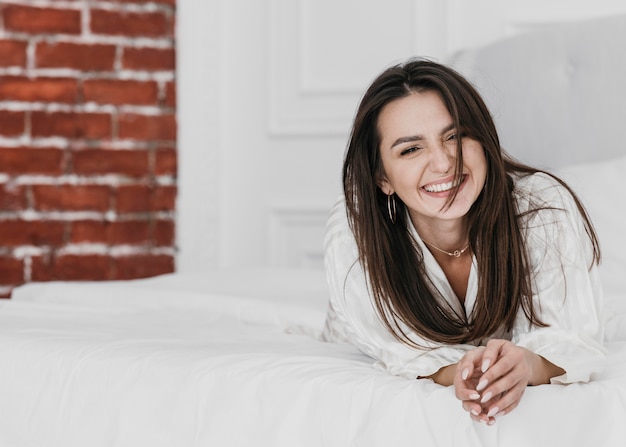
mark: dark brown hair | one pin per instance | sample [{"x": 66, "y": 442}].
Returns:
[{"x": 393, "y": 262}]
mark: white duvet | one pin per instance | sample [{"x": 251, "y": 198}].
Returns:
[{"x": 232, "y": 359}]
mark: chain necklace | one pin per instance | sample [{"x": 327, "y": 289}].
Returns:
[{"x": 455, "y": 253}]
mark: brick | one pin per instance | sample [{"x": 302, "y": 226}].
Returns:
[
  {"x": 12, "y": 198},
  {"x": 21, "y": 160},
  {"x": 83, "y": 267},
  {"x": 12, "y": 123},
  {"x": 170, "y": 95},
  {"x": 133, "y": 198},
  {"x": 164, "y": 233},
  {"x": 132, "y": 232},
  {"x": 148, "y": 127},
  {"x": 41, "y": 268},
  {"x": 133, "y": 163},
  {"x": 129, "y": 232},
  {"x": 129, "y": 24},
  {"x": 143, "y": 266},
  {"x": 94, "y": 231},
  {"x": 71, "y": 125},
  {"x": 41, "y": 20},
  {"x": 143, "y": 198},
  {"x": 149, "y": 59},
  {"x": 164, "y": 198},
  {"x": 12, "y": 53},
  {"x": 118, "y": 92},
  {"x": 14, "y": 233},
  {"x": 71, "y": 197},
  {"x": 75, "y": 55},
  {"x": 11, "y": 271},
  {"x": 86, "y": 267},
  {"x": 20, "y": 88},
  {"x": 158, "y": 2},
  {"x": 166, "y": 162}
]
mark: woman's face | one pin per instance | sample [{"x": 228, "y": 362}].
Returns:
[{"x": 418, "y": 153}]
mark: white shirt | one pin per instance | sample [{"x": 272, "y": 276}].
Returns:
[{"x": 567, "y": 293}]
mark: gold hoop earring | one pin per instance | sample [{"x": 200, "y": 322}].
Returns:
[{"x": 391, "y": 208}]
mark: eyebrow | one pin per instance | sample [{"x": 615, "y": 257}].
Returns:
[{"x": 414, "y": 138}]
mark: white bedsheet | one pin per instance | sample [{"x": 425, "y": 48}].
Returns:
[{"x": 185, "y": 361}]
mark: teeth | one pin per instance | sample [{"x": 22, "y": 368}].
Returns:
[{"x": 440, "y": 187}]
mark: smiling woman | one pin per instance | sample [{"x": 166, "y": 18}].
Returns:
[
  {"x": 418, "y": 155},
  {"x": 449, "y": 260}
]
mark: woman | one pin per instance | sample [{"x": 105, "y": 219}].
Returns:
[{"x": 448, "y": 260}]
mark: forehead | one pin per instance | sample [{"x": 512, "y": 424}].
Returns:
[{"x": 415, "y": 114}]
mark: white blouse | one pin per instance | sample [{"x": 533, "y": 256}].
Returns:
[{"x": 567, "y": 293}]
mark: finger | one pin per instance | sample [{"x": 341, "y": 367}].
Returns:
[
  {"x": 469, "y": 364},
  {"x": 490, "y": 357},
  {"x": 510, "y": 357},
  {"x": 475, "y": 413},
  {"x": 506, "y": 402},
  {"x": 508, "y": 386},
  {"x": 465, "y": 390},
  {"x": 503, "y": 384},
  {"x": 507, "y": 410},
  {"x": 484, "y": 419},
  {"x": 473, "y": 408},
  {"x": 478, "y": 414},
  {"x": 491, "y": 353},
  {"x": 510, "y": 368},
  {"x": 467, "y": 376},
  {"x": 510, "y": 371}
]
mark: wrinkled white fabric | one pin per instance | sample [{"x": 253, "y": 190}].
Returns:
[
  {"x": 567, "y": 293},
  {"x": 202, "y": 360}
]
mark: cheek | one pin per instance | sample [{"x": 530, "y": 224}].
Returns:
[
  {"x": 474, "y": 156},
  {"x": 401, "y": 177}
]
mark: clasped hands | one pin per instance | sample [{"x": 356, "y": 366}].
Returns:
[{"x": 490, "y": 380}]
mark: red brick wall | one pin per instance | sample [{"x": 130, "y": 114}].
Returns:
[{"x": 87, "y": 140}]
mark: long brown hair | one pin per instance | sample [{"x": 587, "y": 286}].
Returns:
[{"x": 402, "y": 292}]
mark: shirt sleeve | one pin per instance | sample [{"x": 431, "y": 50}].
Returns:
[
  {"x": 567, "y": 291},
  {"x": 353, "y": 318}
]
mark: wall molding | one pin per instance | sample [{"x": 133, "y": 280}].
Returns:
[
  {"x": 316, "y": 80},
  {"x": 296, "y": 234}
]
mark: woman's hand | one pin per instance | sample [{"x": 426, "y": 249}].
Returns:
[{"x": 491, "y": 380}]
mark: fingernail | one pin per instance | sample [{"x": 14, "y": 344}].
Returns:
[
  {"x": 485, "y": 366},
  {"x": 481, "y": 385},
  {"x": 493, "y": 412},
  {"x": 483, "y": 421},
  {"x": 491, "y": 422},
  {"x": 475, "y": 412},
  {"x": 465, "y": 374},
  {"x": 486, "y": 397},
  {"x": 474, "y": 396}
]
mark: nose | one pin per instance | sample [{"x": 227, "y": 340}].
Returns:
[{"x": 442, "y": 158}]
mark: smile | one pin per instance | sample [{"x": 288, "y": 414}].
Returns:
[{"x": 443, "y": 187}]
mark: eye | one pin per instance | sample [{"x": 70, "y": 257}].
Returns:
[
  {"x": 456, "y": 135},
  {"x": 409, "y": 150}
]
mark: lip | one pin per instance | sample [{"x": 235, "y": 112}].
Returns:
[{"x": 441, "y": 181}]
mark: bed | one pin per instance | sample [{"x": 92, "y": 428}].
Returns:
[{"x": 234, "y": 357}]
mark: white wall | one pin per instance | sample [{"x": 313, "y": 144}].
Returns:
[
  {"x": 198, "y": 111},
  {"x": 266, "y": 93}
]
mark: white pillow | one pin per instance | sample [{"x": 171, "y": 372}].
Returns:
[{"x": 600, "y": 186}]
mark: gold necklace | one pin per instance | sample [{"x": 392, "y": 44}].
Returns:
[{"x": 455, "y": 253}]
